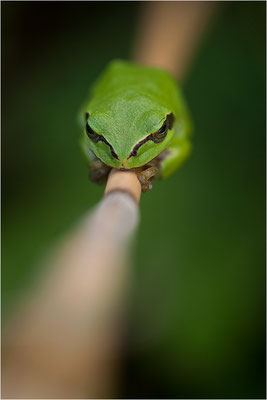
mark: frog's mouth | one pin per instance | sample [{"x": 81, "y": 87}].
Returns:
[
  {"x": 155, "y": 161},
  {"x": 99, "y": 171}
]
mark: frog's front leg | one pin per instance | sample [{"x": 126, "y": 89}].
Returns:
[
  {"x": 98, "y": 171},
  {"x": 146, "y": 176}
]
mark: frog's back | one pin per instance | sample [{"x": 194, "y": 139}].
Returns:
[{"x": 130, "y": 81}]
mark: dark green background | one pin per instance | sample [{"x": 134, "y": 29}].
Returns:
[{"x": 196, "y": 323}]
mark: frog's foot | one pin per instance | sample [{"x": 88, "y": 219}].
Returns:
[
  {"x": 146, "y": 176},
  {"x": 98, "y": 171}
]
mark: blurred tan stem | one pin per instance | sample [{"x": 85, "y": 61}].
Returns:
[
  {"x": 65, "y": 340},
  {"x": 170, "y": 32}
]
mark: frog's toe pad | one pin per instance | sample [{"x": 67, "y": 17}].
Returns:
[{"x": 145, "y": 177}]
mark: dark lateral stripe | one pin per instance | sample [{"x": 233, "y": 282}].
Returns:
[
  {"x": 110, "y": 146},
  {"x": 139, "y": 144},
  {"x": 169, "y": 124}
]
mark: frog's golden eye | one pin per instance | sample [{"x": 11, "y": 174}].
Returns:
[
  {"x": 95, "y": 137},
  {"x": 156, "y": 137},
  {"x": 160, "y": 135}
]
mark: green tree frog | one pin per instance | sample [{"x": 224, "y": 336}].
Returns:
[{"x": 135, "y": 118}]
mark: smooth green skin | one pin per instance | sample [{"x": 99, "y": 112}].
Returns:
[{"x": 129, "y": 102}]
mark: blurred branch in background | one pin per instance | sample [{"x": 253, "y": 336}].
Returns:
[
  {"x": 64, "y": 341},
  {"x": 170, "y": 32}
]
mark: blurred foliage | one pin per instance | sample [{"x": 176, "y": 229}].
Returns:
[{"x": 196, "y": 320}]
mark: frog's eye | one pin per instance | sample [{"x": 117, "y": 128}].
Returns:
[
  {"x": 160, "y": 135},
  {"x": 95, "y": 137}
]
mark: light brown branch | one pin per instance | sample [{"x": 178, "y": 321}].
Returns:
[
  {"x": 64, "y": 340},
  {"x": 170, "y": 32}
]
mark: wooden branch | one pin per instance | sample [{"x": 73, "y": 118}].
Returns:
[
  {"x": 124, "y": 181},
  {"x": 65, "y": 339},
  {"x": 169, "y": 33}
]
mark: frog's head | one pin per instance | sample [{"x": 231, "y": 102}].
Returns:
[{"x": 128, "y": 133}]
